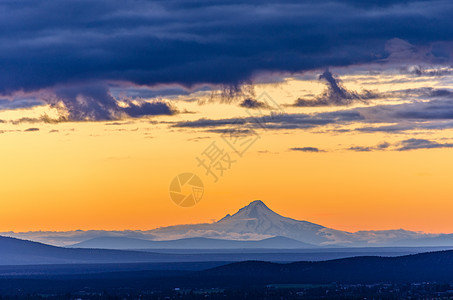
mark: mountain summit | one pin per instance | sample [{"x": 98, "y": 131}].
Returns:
[
  {"x": 256, "y": 205},
  {"x": 255, "y": 209}
]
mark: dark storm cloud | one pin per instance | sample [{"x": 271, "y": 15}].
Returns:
[{"x": 47, "y": 43}]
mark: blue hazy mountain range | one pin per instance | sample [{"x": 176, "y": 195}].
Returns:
[
  {"x": 253, "y": 226},
  {"x": 21, "y": 252},
  {"x": 191, "y": 243}
]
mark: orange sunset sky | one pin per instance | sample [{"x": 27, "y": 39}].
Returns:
[{"x": 115, "y": 174}]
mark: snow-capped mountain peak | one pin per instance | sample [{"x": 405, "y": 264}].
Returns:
[
  {"x": 259, "y": 219},
  {"x": 256, "y": 209}
]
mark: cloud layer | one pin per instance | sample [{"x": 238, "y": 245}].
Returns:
[
  {"x": 47, "y": 43},
  {"x": 429, "y": 109}
]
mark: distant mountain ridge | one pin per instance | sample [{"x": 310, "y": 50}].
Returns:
[
  {"x": 21, "y": 252},
  {"x": 123, "y": 243},
  {"x": 252, "y": 223}
]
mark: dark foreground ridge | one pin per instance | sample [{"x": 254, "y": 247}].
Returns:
[{"x": 434, "y": 267}]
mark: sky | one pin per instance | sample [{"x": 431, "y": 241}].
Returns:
[{"x": 343, "y": 111}]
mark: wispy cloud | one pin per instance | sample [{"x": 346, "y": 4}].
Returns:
[
  {"x": 404, "y": 145},
  {"x": 335, "y": 94},
  {"x": 414, "y": 144},
  {"x": 252, "y": 103},
  {"x": 360, "y": 149},
  {"x": 280, "y": 121},
  {"x": 306, "y": 149},
  {"x": 95, "y": 102},
  {"x": 31, "y": 129}
]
